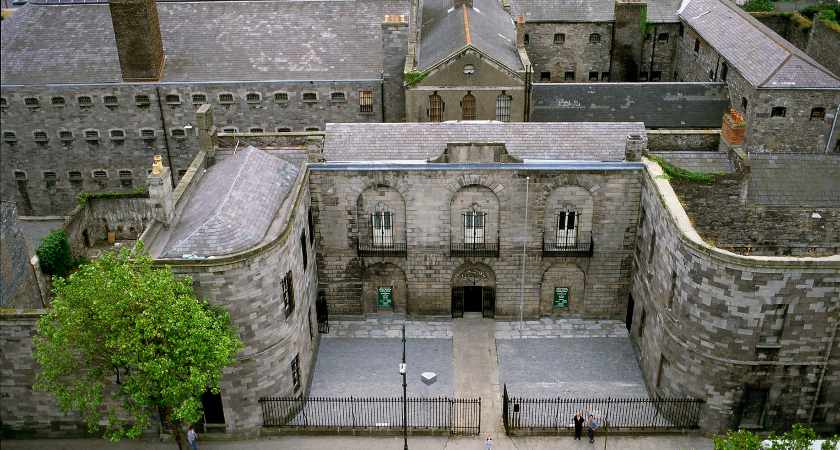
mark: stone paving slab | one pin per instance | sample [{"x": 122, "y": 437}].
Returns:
[
  {"x": 390, "y": 327},
  {"x": 570, "y": 367},
  {"x": 369, "y": 367},
  {"x": 561, "y": 328}
]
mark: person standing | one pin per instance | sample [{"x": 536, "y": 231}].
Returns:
[
  {"x": 594, "y": 424},
  {"x": 578, "y": 425},
  {"x": 192, "y": 438}
]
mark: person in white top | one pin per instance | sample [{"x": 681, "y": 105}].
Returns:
[{"x": 192, "y": 438}]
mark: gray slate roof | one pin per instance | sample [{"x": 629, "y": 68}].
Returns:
[
  {"x": 658, "y": 11},
  {"x": 658, "y": 105},
  {"x": 444, "y": 32},
  {"x": 203, "y": 41},
  {"x": 529, "y": 140},
  {"x": 233, "y": 205},
  {"x": 763, "y": 57}
]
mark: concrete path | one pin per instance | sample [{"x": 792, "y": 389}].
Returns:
[{"x": 477, "y": 370}]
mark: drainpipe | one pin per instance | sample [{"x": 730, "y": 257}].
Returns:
[
  {"x": 382, "y": 95},
  {"x": 524, "y": 247},
  {"x": 165, "y": 137},
  {"x": 822, "y": 373}
]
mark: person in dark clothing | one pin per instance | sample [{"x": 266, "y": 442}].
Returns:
[
  {"x": 578, "y": 425},
  {"x": 594, "y": 424}
]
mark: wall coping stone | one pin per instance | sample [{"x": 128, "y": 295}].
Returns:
[{"x": 692, "y": 239}]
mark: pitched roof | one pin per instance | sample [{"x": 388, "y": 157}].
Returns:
[
  {"x": 233, "y": 205},
  {"x": 763, "y": 57},
  {"x": 658, "y": 11},
  {"x": 530, "y": 140},
  {"x": 486, "y": 27},
  {"x": 203, "y": 41}
]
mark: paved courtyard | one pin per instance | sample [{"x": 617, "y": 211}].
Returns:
[{"x": 369, "y": 367}]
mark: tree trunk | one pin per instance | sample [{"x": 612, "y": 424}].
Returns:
[{"x": 174, "y": 427}]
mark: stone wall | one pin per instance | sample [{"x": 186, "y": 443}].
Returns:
[
  {"x": 24, "y": 411},
  {"x": 248, "y": 285},
  {"x": 682, "y": 140},
  {"x": 717, "y": 326},
  {"x": 429, "y": 270},
  {"x": 629, "y": 40},
  {"x": 793, "y": 27},
  {"x": 125, "y": 160},
  {"x": 394, "y": 42},
  {"x": 824, "y": 44},
  {"x": 89, "y": 224},
  {"x": 18, "y": 283},
  {"x": 658, "y": 105},
  {"x": 659, "y": 52},
  {"x": 572, "y": 53}
]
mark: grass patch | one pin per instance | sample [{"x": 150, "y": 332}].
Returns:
[
  {"x": 139, "y": 192},
  {"x": 673, "y": 172}
]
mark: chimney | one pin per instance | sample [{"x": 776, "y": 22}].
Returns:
[
  {"x": 206, "y": 130},
  {"x": 636, "y": 146},
  {"x": 458, "y": 3},
  {"x": 160, "y": 192},
  {"x": 520, "y": 32},
  {"x": 137, "y": 32}
]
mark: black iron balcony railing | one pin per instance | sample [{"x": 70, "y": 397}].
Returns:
[
  {"x": 574, "y": 245},
  {"x": 395, "y": 249},
  {"x": 474, "y": 249}
]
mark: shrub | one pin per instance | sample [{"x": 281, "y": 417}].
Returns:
[
  {"x": 758, "y": 6},
  {"x": 54, "y": 254},
  {"x": 673, "y": 172}
]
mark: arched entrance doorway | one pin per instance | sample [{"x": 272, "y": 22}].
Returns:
[{"x": 474, "y": 291}]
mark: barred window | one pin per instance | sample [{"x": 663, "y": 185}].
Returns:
[
  {"x": 117, "y": 135},
  {"x": 435, "y": 108},
  {"x": 559, "y": 38},
  {"x": 288, "y": 294},
  {"x": 173, "y": 99},
  {"x": 605, "y": 76},
  {"x": 110, "y": 100},
  {"x": 778, "y": 111},
  {"x": 310, "y": 97},
  {"x": 566, "y": 228},
  {"x": 817, "y": 113},
  {"x": 256, "y": 130},
  {"x": 594, "y": 38},
  {"x": 281, "y": 97},
  {"x": 199, "y": 99},
  {"x": 503, "y": 104},
  {"x": 85, "y": 101},
  {"x": 142, "y": 100},
  {"x": 65, "y": 135},
  {"x": 296, "y": 373},
  {"x": 147, "y": 133},
  {"x": 9, "y": 136},
  {"x": 253, "y": 98},
  {"x": 125, "y": 173},
  {"x": 74, "y": 175},
  {"x": 338, "y": 97},
  {"x": 178, "y": 133},
  {"x": 100, "y": 174},
  {"x": 474, "y": 227},
  {"x": 468, "y": 107},
  {"x": 366, "y": 101},
  {"x": 593, "y": 76},
  {"x": 382, "y": 228},
  {"x": 226, "y": 99},
  {"x": 40, "y": 136},
  {"x": 32, "y": 102},
  {"x": 49, "y": 175},
  {"x": 92, "y": 135},
  {"x": 569, "y": 76},
  {"x": 58, "y": 101}
]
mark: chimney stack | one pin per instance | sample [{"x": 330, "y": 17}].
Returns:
[
  {"x": 137, "y": 32},
  {"x": 520, "y": 32},
  {"x": 160, "y": 192},
  {"x": 636, "y": 146},
  {"x": 459, "y": 3}
]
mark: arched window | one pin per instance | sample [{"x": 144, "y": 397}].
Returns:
[
  {"x": 435, "y": 107},
  {"x": 468, "y": 107},
  {"x": 503, "y": 102}
]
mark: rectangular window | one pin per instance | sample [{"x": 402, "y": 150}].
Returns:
[
  {"x": 474, "y": 227},
  {"x": 303, "y": 249},
  {"x": 85, "y": 101},
  {"x": 593, "y": 76},
  {"x": 281, "y": 97},
  {"x": 173, "y": 99},
  {"x": 594, "y": 38},
  {"x": 605, "y": 76},
  {"x": 817, "y": 114},
  {"x": 468, "y": 107},
  {"x": 142, "y": 100},
  {"x": 366, "y": 101},
  {"x": 503, "y": 103},
  {"x": 565, "y": 233},
  {"x": 296, "y": 373},
  {"x": 253, "y": 98},
  {"x": 778, "y": 111},
  {"x": 310, "y": 97},
  {"x": 382, "y": 229},
  {"x": 569, "y": 76},
  {"x": 110, "y": 100},
  {"x": 559, "y": 38},
  {"x": 656, "y": 75},
  {"x": 753, "y": 407},
  {"x": 673, "y": 290},
  {"x": 545, "y": 76},
  {"x": 199, "y": 99},
  {"x": 288, "y": 293},
  {"x": 338, "y": 97},
  {"x": 226, "y": 99}
]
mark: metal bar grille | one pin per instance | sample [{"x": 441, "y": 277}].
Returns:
[
  {"x": 468, "y": 107},
  {"x": 366, "y": 101},
  {"x": 503, "y": 102}
]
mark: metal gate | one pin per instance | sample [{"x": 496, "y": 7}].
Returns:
[
  {"x": 488, "y": 302},
  {"x": 322, "y": 312},
  {"x": 457, "y": 302}
]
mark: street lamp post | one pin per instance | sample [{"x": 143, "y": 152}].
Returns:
[{"x": 405, "y": 394}]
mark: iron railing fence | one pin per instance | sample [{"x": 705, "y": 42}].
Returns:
[
  {"x": 457, "y": 416},
  {"x": 580, "y": 244},
  {"x": 556, "y": 415},
  {"x": 474, "y": 249},
  {"x": 396, "y": 249}
]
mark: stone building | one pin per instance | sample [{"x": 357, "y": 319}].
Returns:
[
  {"x": 90, "y": 91},
  {"x": 469, "y": 61}
]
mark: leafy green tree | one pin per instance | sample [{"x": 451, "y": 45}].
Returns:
[
  {"x": 54, "y": 254},
  {"x": 799, "y": 437},
  {"x": 738, "y": 440},
  {"x": 758, "y": 6},
  {"x": 124, "y": 340}
]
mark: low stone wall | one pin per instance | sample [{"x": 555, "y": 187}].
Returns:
[
  {"x": 683, "y": 140},
  {"x": 90, "y": 223},
  {"x": 733, "y": 330}
]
